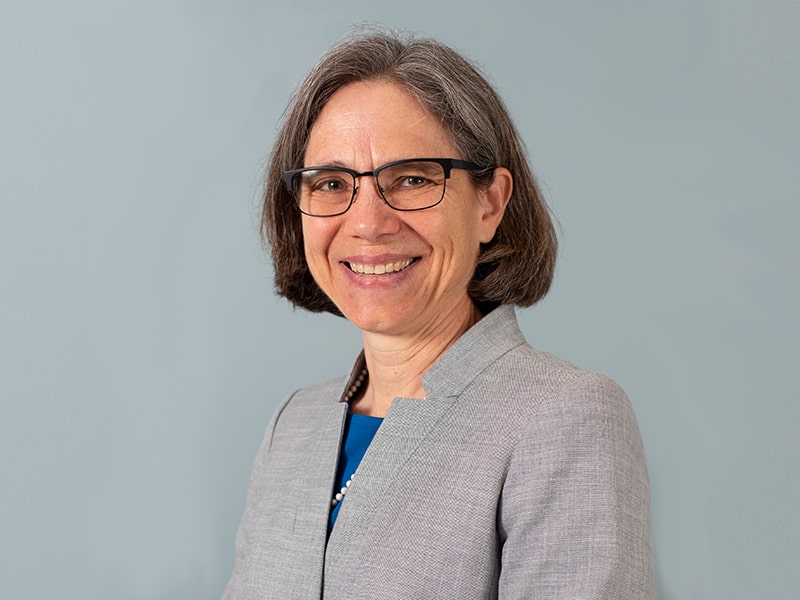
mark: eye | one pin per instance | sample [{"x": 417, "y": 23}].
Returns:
[
  {"x": 327, "y": 182},
  {"x": 411, "y": 181},
  {"x": 412, "y": 176},
  {"x": 329, "y": 185},
  {"x": 408, "y": 181}
]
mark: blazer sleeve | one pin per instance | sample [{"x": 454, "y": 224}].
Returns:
[
  {"x": 237, "y": 583},
  {"x": 574, "y": 511}
]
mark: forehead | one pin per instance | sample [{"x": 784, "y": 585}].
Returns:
[{"x": 375, "y": 122}]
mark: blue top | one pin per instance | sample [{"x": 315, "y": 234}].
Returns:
[{"x": 358, "y": 433}]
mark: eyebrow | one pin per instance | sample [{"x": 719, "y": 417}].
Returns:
[
  {"x": 331, "y": 163},
  {"x": 342, "y": 164}
]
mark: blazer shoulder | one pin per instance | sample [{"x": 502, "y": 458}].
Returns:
[{"x": 539, "y": 383}]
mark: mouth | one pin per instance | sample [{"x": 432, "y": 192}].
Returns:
[{"x": 392, "y": 267}]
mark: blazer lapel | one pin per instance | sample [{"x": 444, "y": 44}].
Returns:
[
  {"x": 408, "y": 422},
  {"x": 309, "y": 503}
]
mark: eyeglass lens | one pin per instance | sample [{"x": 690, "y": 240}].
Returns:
[{"x": 404, "y": 186}]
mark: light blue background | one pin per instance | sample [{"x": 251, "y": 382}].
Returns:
[{"x": 142, "y": 351}]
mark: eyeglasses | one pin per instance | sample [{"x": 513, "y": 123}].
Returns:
[{"x": 410, "y": 184}]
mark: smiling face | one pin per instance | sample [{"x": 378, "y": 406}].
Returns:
[{"x": 393, "y": 272}]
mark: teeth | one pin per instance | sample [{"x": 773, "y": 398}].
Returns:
[{"x": 380, "y": 269}]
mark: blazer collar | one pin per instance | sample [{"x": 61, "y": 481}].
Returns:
[{"x": 481, "y": 345}]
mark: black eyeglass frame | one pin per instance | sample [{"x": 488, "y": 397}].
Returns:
[{"x": 447, "y": 164}]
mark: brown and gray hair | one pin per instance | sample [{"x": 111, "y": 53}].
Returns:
[{"x": 517, "y": 266}]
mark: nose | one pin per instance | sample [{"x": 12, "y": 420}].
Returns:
[{"x": 369, "y": 216}]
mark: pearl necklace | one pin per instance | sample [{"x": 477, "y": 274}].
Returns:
[
  {"x": 342, "y": 492},
  {"x": 348, "y": 396}
]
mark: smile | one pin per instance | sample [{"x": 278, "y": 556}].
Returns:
[{"x": 393, "y": 267}]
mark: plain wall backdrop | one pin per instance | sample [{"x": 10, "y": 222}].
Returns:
[{"x": 142, "y": 350}]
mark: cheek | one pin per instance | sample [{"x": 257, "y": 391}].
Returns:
[
  {"x": 310, "y": 241},
  {"x": 316, "y": 242},
  {"x": 464, "y": 227},
  {"x": 458, "y": 246}
]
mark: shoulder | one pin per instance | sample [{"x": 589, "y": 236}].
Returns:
[
  {"x": 543, "y": 381},
  {"x": 553, "y": 408},
  {"x": 566, "y": 388},
  {"x": 572, "y": 425}
]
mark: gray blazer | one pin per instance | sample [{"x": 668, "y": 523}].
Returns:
[{"x": 519, "y": 476}]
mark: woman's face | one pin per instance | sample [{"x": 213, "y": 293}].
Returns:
[{"x": 392, "y": 272}]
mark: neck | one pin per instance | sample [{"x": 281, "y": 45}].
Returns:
[{"x": 396, "y": 364}]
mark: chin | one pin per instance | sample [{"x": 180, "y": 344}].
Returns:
[{"x": 376, "y": 320}]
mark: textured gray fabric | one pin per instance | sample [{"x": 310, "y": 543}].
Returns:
[{"x": 519, "y": 476}]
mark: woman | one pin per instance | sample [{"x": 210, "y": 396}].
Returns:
[{"x": 455, "y": 461}]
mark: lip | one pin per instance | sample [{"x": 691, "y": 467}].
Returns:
[
  {"x": 380, "y": 268},
  {"x": 377, "y": 270}
]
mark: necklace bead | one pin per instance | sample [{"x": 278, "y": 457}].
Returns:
[
  {"x": 343, "y": 492},
  {"x": 348, "y": 396},
  {"x": 356, "y": 385}
]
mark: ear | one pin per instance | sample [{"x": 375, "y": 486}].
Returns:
[{"x": 494, "y": 201}]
